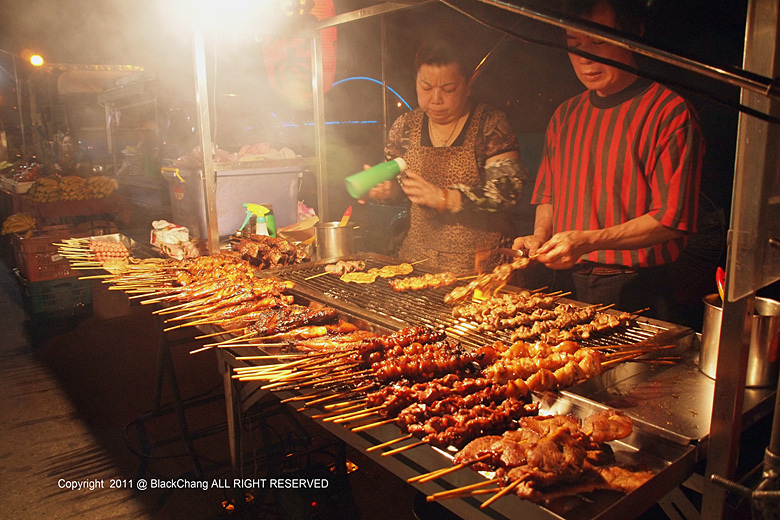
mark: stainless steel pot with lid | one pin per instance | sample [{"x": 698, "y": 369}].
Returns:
[{"x": 762, "y": 331}]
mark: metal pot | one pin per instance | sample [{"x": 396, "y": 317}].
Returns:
[
  {"x": 762, "y": 331},
  {"x": 334, "y": 240}
]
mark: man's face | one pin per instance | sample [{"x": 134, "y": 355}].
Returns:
[{"x": 605, "y": 80}]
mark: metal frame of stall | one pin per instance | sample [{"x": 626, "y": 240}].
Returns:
[
  {"x": 753, "y": 259},
  {"x": 210, "y": 167}
]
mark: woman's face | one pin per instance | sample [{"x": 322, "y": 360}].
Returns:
[
  {"x": 442, "y": 92},
  {"x": 69, "y": 145}
]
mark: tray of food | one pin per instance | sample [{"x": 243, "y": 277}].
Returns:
[{"x": 113, "y": 252}]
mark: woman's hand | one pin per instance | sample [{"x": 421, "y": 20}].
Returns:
[
  {"x": 421, "y": 191},
  {"x": 383, "y": 191}
]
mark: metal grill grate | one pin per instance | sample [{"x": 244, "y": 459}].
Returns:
[{"x": 379, "y": 303}]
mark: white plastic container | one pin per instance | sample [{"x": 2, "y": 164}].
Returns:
[{"x": 277, "y": 187}]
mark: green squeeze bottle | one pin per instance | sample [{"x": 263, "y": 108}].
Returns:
[{"x": 360, "y": 183}]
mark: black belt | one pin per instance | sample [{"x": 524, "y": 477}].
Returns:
[{"x": 602, "y": 269}]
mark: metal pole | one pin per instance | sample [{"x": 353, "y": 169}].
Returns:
[
  {"x": 19, "y": 107},
  {"x": 741, "y": 78},
  {"x": 318, "y": 97},
  {"x": 383, "y": 62},
  {"x": 755, "y": 167},
  {"x": 204, "y": 121}
]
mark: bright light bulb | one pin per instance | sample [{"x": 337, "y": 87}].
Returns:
[{"x": 36, "y": 60}]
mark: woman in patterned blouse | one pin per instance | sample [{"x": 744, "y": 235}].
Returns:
[{"x": 463, "y": 174}]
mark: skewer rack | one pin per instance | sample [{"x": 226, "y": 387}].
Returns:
[{"x": 670, "y": 404}]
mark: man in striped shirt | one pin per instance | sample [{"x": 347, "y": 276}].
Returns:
[{"x": 617, "y": 188}]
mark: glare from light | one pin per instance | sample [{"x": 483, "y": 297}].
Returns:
[
  {"x": 228, "y": 14},
  {"x": 36, "y": 60}
]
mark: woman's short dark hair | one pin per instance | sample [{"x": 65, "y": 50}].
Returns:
[
  {"x": 629, "y": 14},
  {"x": 440, "y": 52}
]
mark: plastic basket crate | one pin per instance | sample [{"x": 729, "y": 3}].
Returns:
[
  {"x": 64, "y": 298},
  {"x": 37, "y": 257}
]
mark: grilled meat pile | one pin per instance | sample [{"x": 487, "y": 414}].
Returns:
[
  {"x": 426, "y": 281},
  {"x": 537, "y": 316},
  {"x": 558, "y": 455},
  {"x": 266, "y": 252}
]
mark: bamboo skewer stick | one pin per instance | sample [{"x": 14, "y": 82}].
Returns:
[
  {"x": 638, "y": 351},
  {"x": 327, "y": 398},
  {"x": 354, "y": 417},
  {"x": 340, "y": 379},
  {"x": 460, "y": 491},
  {"x": 297, "y": 375},
  {"x": 257, "y": 345},
  {"x": 303, "y": 397},
  {"x": 304, "y": 375},
  {"x": 342, "y": 404},
  {"x": 278, "y": 378},
  {"x": 248, "y": 335},
  {"x": 620, "y": 360},
  {"x": 172, "y": 309},
  {"x": 214, "y": 334},
  {"x": 389, "y": 443},
  {"x": 201, "y": 349},
  {"x": 433, "y": 475},
  {"x": 304, "y": 359},
  {"x": 267, "y": 368},
  {"x": 347, "y": 415},
  {"x": 349, "y": 374},
  {"x": 316, "y": 276},
  {"x": 403, "y": 448},
  {"x": 337, "y": 412},
  {"x": 511, "y": 487},
  {"x": 364, "y": 427},
  {"x": 337, "y": 395}
]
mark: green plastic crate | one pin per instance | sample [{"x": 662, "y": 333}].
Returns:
[{"x": 51, "y": 299}]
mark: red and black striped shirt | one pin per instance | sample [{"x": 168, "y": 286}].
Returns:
[{"x": 610, "y": 159}]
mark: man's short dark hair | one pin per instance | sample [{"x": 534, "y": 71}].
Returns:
[
  {"x": 629, "y": 14},
  {"x": 439, "y": 53}
]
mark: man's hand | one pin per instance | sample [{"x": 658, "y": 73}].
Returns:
[
  {"x": 562, "y": 250},
  {"x": 529, "y": 243}
]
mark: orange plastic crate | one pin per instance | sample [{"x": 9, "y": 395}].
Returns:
[{"x": 38, "y": 259}]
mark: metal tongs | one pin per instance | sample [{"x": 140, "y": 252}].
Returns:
[{"x": 490, "y": 283}]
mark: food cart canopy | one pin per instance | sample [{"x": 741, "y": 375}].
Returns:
[{"x": 88, "y": 81}]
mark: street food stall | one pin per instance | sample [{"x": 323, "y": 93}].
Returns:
[
  {"x": 408, "y": 365},
  {"x": 752, "y": 257}
]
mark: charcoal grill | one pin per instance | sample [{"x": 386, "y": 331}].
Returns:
[
  {"x": 666, "y": 438},
  {"x": 377, "y": 302}
]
